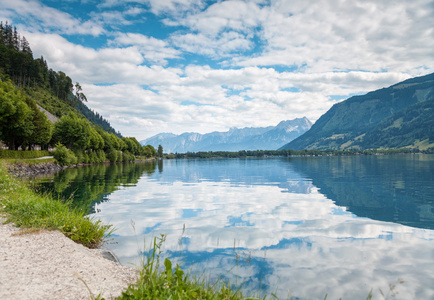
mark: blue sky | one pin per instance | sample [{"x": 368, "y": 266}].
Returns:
[{"x": 152, "y": 66}]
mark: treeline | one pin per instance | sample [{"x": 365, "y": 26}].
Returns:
[
  {"x": 289, "y": 153},
  {"x": 23, "y": 125},
  {"x": 96, "y": 118},
  {"x": 17, "y": 64},
  {"x": 78, "y": 141}
]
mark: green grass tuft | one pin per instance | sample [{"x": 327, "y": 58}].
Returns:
[
  {"x": 172, "y": 282},
  {"x": 27, "y": 209}
]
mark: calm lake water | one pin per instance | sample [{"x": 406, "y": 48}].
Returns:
[{"x": 295, "y": 227}]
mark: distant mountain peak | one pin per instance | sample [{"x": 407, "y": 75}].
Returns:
[{"x": 236, "y": 139}]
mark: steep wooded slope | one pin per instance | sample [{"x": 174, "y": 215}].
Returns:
[{"x": 398, "y": 116}]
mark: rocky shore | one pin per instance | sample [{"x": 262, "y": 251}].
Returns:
[
  {"x": 48, "y": 168},
  {"x": 22, "y": 170},
  {"x": 48, "y": 265}
]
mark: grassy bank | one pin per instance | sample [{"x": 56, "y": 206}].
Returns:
[{"x": 30, "y": 210}]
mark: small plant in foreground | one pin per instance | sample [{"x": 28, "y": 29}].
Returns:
[{"x": 172, "y": 283}]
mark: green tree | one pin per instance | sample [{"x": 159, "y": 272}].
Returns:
[
  {"x": 149, "y": 151},
  {"x": 43, "y": 130},
  {"x": 79, "y": 96},
  {"x": 115, "y": 141},
  {"x": 133, "y": 145},
  {"x": 16, "y": 117},
  {"x": 72, "y": 132},
  {"x": 96, "y": 141},
  {"x": 160, "y": 151}
]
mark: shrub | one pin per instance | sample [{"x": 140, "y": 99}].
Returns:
[
  {"x": 114, "y": 156},
  {"x": 111, "y": 155},
  {"x": 79, "y": 155},
  {"x": 93, "y": 158},
  {"x": 101, "y": 157},
  {"x": 127, "y": 156},
  {"x": 86, "y": 158},
  {"x": 64, "y": 156},
  {"x": 23, "y": 154}
]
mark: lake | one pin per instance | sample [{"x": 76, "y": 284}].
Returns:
[{"x": 302, "y": 227}]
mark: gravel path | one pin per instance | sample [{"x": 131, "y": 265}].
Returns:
[{"x": 48, "y": 265}]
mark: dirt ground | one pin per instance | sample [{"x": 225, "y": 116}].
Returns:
[{"x": 48, "y": 265}]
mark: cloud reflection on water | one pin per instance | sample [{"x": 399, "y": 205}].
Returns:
[{"x": 296, "y": 239}]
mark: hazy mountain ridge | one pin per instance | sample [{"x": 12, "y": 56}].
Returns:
[
  {"x": 398, "y": 116},
  {"x": 249, "y": 138}
]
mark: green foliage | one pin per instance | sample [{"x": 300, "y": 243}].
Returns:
[
  {"x": 17, "y": 61},
  {"x": 101, "y": 157},
  {"x": 50, "y": 102},
  {"x": 64, "y": 156},
  {"x": 149, "y": 151},
  {"x": 72, "y": 131},
  {"x": 53, "y": 90},
  {"x": 86, "y": 158},
  {"x": 127, "y": 156},
  {"x": 115, "y": 142},
  {"x": 93, "y": 158},
  {"x": 132, "y": 145},
  {"x": 43, "y": 130},
  {"x": 16, "y": 117},
  {"x": 114, "y": 155},
  {"x": 96, "y": 141},
  {"x": 80, "y": 136},
  {"x": 79, "y": 154},
  {"x": 23, "y": 154},
  {"x": 160, "y": 151},
  {"x": 21, "y": 122},
  {"x": 29, "y": 210}
]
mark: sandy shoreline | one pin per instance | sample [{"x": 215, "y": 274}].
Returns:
[{"x": 48, "y": 265}]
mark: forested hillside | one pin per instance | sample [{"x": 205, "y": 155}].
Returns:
[
  {"x": 26, "y": 83},
  {"x": 401, "y": 115},
  {"x": 52, "y": 90}
]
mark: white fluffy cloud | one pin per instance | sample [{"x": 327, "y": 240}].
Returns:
[
  {"x": 228, "y": 63},
  {"x": 98, "y": 66},
  {"x": 152, "y": 49},
  {"x": 144, "y": 101},
  {"x": 46, "y": 18}
]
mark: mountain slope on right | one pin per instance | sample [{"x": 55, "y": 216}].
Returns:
[{"x": 401, "y": 115}]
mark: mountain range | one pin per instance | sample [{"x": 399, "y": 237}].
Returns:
[
  {"x": 401, "y": 115},
  {"x": 249, "y": 138}
]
